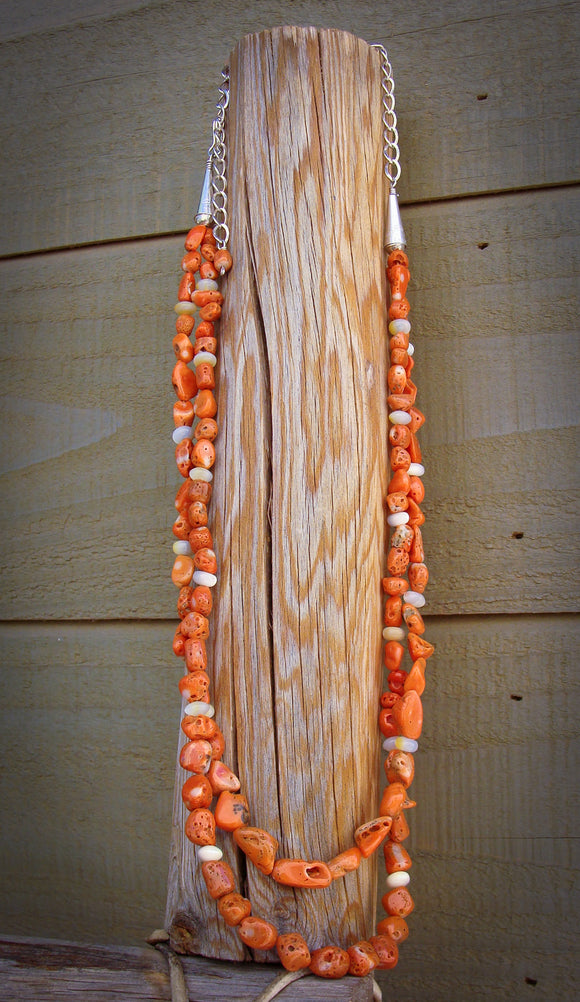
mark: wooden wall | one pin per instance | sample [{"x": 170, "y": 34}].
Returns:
[{"x": 106, "y": 112}]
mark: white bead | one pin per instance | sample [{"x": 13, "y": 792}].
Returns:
[
  {"x": 207, "y": 285},
  {"x": 194, "y": 709},
  {"x": 391, "y": 632},
  {"x": 400, "y": 417},
  {"x": 182, "y": 548},
  {"x": 398, "y": 879},
  {"x": 208, "y": 853},
  {"x": 204, "y": 578},
  {"x": 414, "y": 598},
  {"x": 402, "y": 744},
  {"x": 204, "y": 356},
  {"x": 399, "y": 327},
  {"x": 189, "y": 308},
  {"x": 198, "y": 473},
  {"x": 416, "y": 470},
  {"x": 398, "y": 518},
  {"x": 183, "y": 431},
  {"x": 410, "y": 350}
]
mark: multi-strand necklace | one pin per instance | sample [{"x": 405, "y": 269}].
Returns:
[{"x": 212, "y": 794}]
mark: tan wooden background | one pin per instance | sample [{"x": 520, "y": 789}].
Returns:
[{"x": 106, "y": 106}]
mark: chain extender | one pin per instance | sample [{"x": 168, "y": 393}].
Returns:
[{"x": 213, "y": 201}]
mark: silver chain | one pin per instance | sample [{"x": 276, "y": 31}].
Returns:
[
  {"x": 390, "y": 134},
  {"x": 217, "y": 153}
]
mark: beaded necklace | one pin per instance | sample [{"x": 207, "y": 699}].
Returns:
[{"x": 194, "y": 572}]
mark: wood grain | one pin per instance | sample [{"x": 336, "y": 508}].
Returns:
[
  {"x": 106, "y": 123},
  {"x": 88, "y": 488},
  {"x": 298, "y": 617}
]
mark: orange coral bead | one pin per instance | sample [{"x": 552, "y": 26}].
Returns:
[
  {"x": 218, "y": 877},
  {"x": 393, "y": 798},
  {"x": 395, "y": 927},
  {"x": 363, "y": 959},
  {"x": 233, "y": 908},
  {"x": 400, "y": 767},
  {"x": 197, "y": 514},
  {"x": 417, "y": 420},
  {"x": 182, "y": 347},
  {"x": 203, "y": 453},
  {"x": 386, "y": 950},
  {"x": 211, "y": 312},
  {"x": 397, "y": 501},
  {"x": 207, "y": 250},
  {"x": 397, "y": 561},
  {"x": 330, "y": 962},
  {"x": 399, "y": 309},
  {"x": 394, "y": 652},
  {"x": 200, "y": 827},
  {"x": 200, "y": 538},
  {"x": 257, "y": 933},
  {"x": 369, "y": 836},
  {"x": 195, "y": 654},
  {"x": 195, "y": 756},
  {"x": 182, "y": 572},
  {"x": 205, "y": 376},
  {"x": 397, "y": 858},
  {"x": 396, "y": 379},
  {"x": 418, "y": 577},
  {"x": 400, "y": 828},
  {"x": 387, "y": 723},
  {"x": 207, "y": 270},
  {"x": 345, "y": 862},
  {"x": 413, "y": 618},
  {"x": 183, "y": 380},
  {"x": 195, "y": 237},
  {"x": 414, "y": 449},
  {"x": 417, "y": 553},
  {"x": 195, "y": 686},
  {"x": 205, "y": 329},
  {"x": 201, "y": 600},
  {"x": 194, "y": 624},
  {"x": 183, "y": 456},
  {"x": 181, "y": 527},
  {"x": 231, "y": 811},
  {"x": 186, "y": 287},
  {"x": 259, "y": 846},
  {"x": 191, "y": 261},
  {"x": 199, "y": 727},
  {"x": 419, "y": 647},
  {"x": 222, "y": 778},
  {"x": 293, "y": 951},
  {"x": 399, "y": 401},
  {"x": 206, "y": 428},
  {"x": 395, "y": 586},
  {"x": 183, "y": 413},
  {"x": 417, "y": 490},
  {"x": 393, "y": 606},
  {"x": 400, "y": 481},
  {"x": 184, "y": 324},
  {"x": 301, "y": 873},
  {"x": 400, "y": 458},
  {"x": 398, "y": 901},
  {"x": 409, "y": 715},
  {"x": 416, "y": 677},
  {"x": 218, "y": 745},
  {"x": 205, "y": 560},
  {"x": 222, "y": 260},
  {"x": 204, "y": 344},
  {"x": 399, "y": 356},
  {"x": 205, "y": 403},
  {"x": 202, "y": 298},
  {"x": 196, "y": 792}
]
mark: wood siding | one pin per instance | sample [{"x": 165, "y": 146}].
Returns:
[{"x": 105, "y": 125}]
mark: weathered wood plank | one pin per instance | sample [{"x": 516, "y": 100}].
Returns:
[
  {"x": 41, "y": 971},
  {"x": 106, "y": 123},
  {"x": 86, "y": 368},
  {"x": 89, "y": 723}
]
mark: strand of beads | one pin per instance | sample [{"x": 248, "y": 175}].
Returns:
[{"x": 401, "y": 715}]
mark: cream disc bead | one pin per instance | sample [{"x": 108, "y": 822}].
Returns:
[
  {"x": 416, "y": 470},
  {"x": 189, "y": 308},
  {"x": 184, "y": 431},
  {"x": 399, "y": 327},
  {"x": 401, "y": 744},
  {"x": 198, "y": 706},
  {"x": 208, "y": 853},
  {"x": 205, "y": 578},
  {"x": 398, "y": 879},
  {"x": 182, "y": 548},
  {"x": 414, "y": 598},
  {"x": 204, "y": 356},
  {"x": 410, "y": 350},
  {"x": 398, "y": 518},
  {"x": 400, "y": 417},
  {"x": 207, "y": 285},
  {"x": 198, "y": 473},
  {"x": 391, "y": 632}
]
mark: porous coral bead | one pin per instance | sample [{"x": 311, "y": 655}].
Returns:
[
  {"x": 400, "y": 459},
  {"x": 400, "y": 481},
  {"x": 402, "y": 538},
  {"x": 222, "y": 260},
  {"x": 205, "y": 376},
  {"x": 396, "y": 857},
  {"x": 196, "y": 792},
  {"x": 396, "y": 379},
  {"x": 204, "y": 344},
  {"x": 199, "y": 726},
  {"x": 184, "y": 324},
  {"x": 400, "y": 767},
  {"x": 417, "y": 553},
  {"x": 200, "y": 538},
  {"x": 182, "y": 347},
  {"x": 345, "y": 862},
  {"x": 387, "y": 723},
  {"x": 195, "y": 685},
  {"x": 195, "y": 237},
  {"x": 201, "y": 600},
  {"x": 184, "y": 456},
  {"x": 233, "y": 908},
  {"x": 386, "y": 950},
  {"x": 207, "y": 428},
  {"x": 183, "y": 379},
  {"x": 197, "y": 514},
  {"x": 409, "y": 715},
  {"x": 392, "y": 800},
  {"x": 204, "y": 329},
  {"x": 203, "y": 454},
  {"x": 194, "y": 624},
  {"x": 416, "y": 490},
  {"x": 419, "y": 647},
  {"x": 195, "y": 756},
  {"x": 418, "y": 576},
  {"x": 417, "y": 419},
  {"x": 181, "y": 527},
  {"x": 259, "y": 846},
  {"x": 199, "y": 490},
  {"x": 182, "y": 571},
  {"x": 200, "y": 827},
  {"x": 219, "y": 878},
  {"x": 207, "y": 250},
  {"x": 398, "y": 901},
  {"x": 363, "y": 959},
  {"x": 186, "y": 287},
  {"x": 301, "y": 873},
  {"x": 257, "y": 933},
  {"x": 393, "y": 606},
  {"x": 205, "y": 559},
  {"x": 183, "y": 413},
  {"x": 205, "y": 403},
  {"x": 413, "y": 618},
  {"x": 207, "y": 270},
  {"x": 330, "y": 962},
  {"x": 369, "y": 836},
  {"x": 400, "y": 828},
  {"x": 397, "y": 561},
  {"x": 293, "y": 951},
  {"x": 218, "y": 745},
  {"x": 211, "y": 312},
  {"x": 221, "y": 778},
  {"x": 178, "y": 644},
  {"x": 231, "y": 811},
  {"x": 397, "y": 502}
]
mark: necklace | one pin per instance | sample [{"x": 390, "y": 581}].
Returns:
[{"x": 195, "y": 574}]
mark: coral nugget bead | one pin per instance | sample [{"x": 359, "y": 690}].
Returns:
[
  {"x": 184, "y": 382},
  {"x": 370, "y": 835},
  {"x": 200, "y": 827},
  {"x": 363, "y": 959},
  {"x": 300, "y": 873},
  {"x": 196, "y": 792},
  {"x": 393, "y": 800},
  {"x": 395, "y": 927},
  {"x": 195, "y": 756},
  {"x": 345, "y": 862},
  {"x": 218, "y": 877},
  {"x": 233, "y": 908},
  {"x": 293, "y": 951},
  {"x": 386, "y": 950},
  {"x": 330, "y": 962},
  {"x": 258, "y": 934},
  {"x": 409, "y": 715},
  {"x": 259, "y": 846},
  {"x": 398, "y": 902},
  {"x": 231, "y": 811}
]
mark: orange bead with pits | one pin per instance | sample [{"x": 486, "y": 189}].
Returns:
[
  {"x": 257, "y": 933},
  {"x": 259, "y": 846},
  {"x": 398, "y": 276},
  {"x": 195, "y": 756},
  {"x": 201, "y": 600},
  {"x": 194, "y": 624},
  {"x": 183, "y": 600},
  {"x": 195, "y": 686},
  {"x": 199, "y": 490},
  {"x": 184, "y": 324},
  {"x": 207, "y": 250},
  {"x": 181, "y": 527},
  {"x": 399, "y": 357},
  {"x": 197, "y": 515},
  {"x": 399, "y": 309},
  {"x": 200, "y": 827},
  {"x": 395, "y": 927},
  {"x": 413, "y": 619},
  {"x": 395, "y": 586},
  {"x": 205, "y": 376},
  {"x": 397, "y": 561},
  {"x": 399, "y": 459},
  {"x": 182, "y": 347},
  {"x": 417, "y": 490},
  {"x": 203, "y": 453},
  {"x": 330, "y": 962},
  {"x": 178, "y": 645},
  {"x": 399, "y": 434},
  {"x": 218, "y": 745},
  {"x": 205, "y": 560},
  {"x": 195, "y": 654},
  {"x": 233, "y": 908},
  {"x": 397, "y": 859},
  {"x": 207, "y": 270},
  {"x": 414, "y": 449},
  {"x": 417, "y": 553},
  {"x": 231, "y": 811},
  {"x": 393, "y": 798},
  {"x": 416, "y": 516},
  {"x": 398, "y": 901},
  {"x": 199, "y": 726},
  {"x": 417, "y": 420},
  {"x": 400, "y": 828},
  {"x": 183, "y": 413},
  {"x": 195, "y": 237},
  {"x": 399, "y": 401},
  {"x": 206, "y": 428},
  {"x": 205, "y": 404},
  {"x": 183, "y": 380},
  {"x": 191, "y": 261},
  {"x": 369, "y": 836},
  {"x": 398, "y": 501},
  {"x": 387, "y": 723},
  {"x": 205, "y": 344},
  {"x": 345, "y": 862},
  {"x": 399, "y": 340},
  {"x": 211, "y": 312},
  {"x": 221, "y": 778},
  {"x": 363, "y": 959},
  {"x": 400, "y": 767},
  {"x": 418, "y": 577},
  {"x": 184, "y": 456},
  {"x": 182, "y": 571},
  {"x": 393, "y": 606},
  {"x": 387, "y": 952},
  {"x": 219, "y": 878},
  {"x": 396, "y": 378},
  {"x": 196, "y": 793},
  {"x": 204, "y": 329},
  {"x": 182, "y": 499},
  {"x": 409, "y": 715},
  {"x": 200, "y": 538},
  {"x": 202, "y": 298},
  {"x": 293, "y": 951},
  {"x": 301, "y": 873},
  {"x": 186, "y": 287},
  {"x": 222, "y": 260}
]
